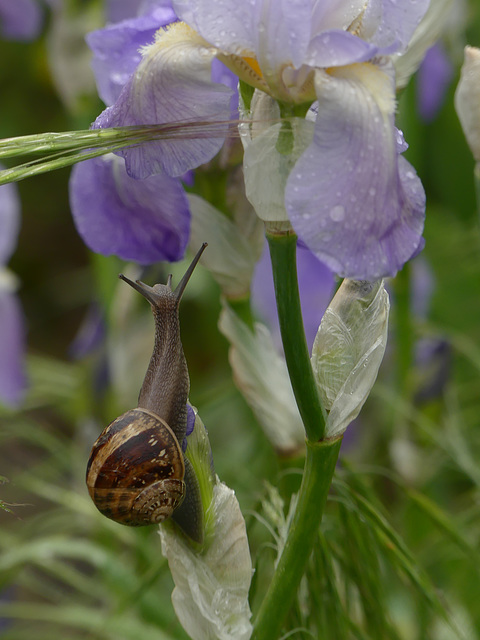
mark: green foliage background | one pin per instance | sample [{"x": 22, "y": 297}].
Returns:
[{"x": 398, "y": 554}]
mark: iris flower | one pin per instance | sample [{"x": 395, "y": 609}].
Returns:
[{"x": 351, "y": 196}]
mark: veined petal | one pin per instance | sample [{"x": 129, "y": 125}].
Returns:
[
  {"x": 336, "y": 48},
  {"x": 12, "y": 350},
  {"x": 352, "y": 200},
  {"x": 172, "y": 84},
  {"x": 9, "y": 220},
  {"x": 390, "y": 24},
  {"x": 117, "y": 53},
  {"x": 141, "y": 220},
  {"x": 439, "y": 13},
  {"x": 228, "y": 24},
  {"x": 275, "y": 32},
  {"x": 335, "y": 14}
]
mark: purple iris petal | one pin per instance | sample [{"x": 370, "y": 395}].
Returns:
[
  {"x": 390, "y": 24},
  {"x": 276, "y": 33},
  {"x": 315, "y": 282},
  {"x": 182, "y": 91},
  {"x": 190, "y": 419},
  {"x": 229, "y": 25},
  {"x": 9, "y": 221},
  {"x": 353, "y": 201},
  {"x": 335, "y": 48},
  {"x": 116, "y": 49},
  {"x": 12, "y": 350},
  {"x": 140, "y": 220},
  {"x": 117, "y": 10},
  {"x": 433, "y": 78},
  {"x": 190, "y": 426},
  {"x": 20, "y": 19}
]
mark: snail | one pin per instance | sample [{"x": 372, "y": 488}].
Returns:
[{"x": 137, "y": 473}]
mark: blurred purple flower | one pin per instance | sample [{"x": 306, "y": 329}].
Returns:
[
  {"x": 433, "y": 79},
  {"x": 351, "y": 197},
  {"x": 141, "y": 220},
  {"x": 316, "y": 286},
  {"x": 12, "y": 329},
  {"x": 91, "y": 333},
  {"x": 20, "y": 19}
]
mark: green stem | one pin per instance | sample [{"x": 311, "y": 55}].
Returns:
[
  {"x": 283, "y": 249},
  {"x": 321, "y": 455},
  {"x": 404, "y": 328},
  {"x": 476, "y": 177},
  {"x": 319, "y": 468}
]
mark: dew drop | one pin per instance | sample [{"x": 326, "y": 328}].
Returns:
[{"x": 337, "y": 214}]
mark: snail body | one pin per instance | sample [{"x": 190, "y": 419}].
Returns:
[{"x": 137, "y": 473}]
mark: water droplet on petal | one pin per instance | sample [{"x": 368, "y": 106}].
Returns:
[{"x": 337, "y": 213}]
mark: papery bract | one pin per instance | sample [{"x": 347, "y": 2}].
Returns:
[
  {"x": 261, "y": 375},
  {"x": 467, "y": 99},
  {"x": 211, "y": 588},
  {"x": 348, "y": 350},
  {"x": 230, "y": 257}
]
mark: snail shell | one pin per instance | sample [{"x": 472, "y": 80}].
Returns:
[{"x": 135, "y": 474}]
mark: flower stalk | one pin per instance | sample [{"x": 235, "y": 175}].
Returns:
[
  {"x": 283, "y": 247},
  {"x": 321, "y": 454},
  {"x": 319, "y": 467}
]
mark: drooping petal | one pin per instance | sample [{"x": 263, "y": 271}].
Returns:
[
  {"x": 116, "y": 49},
  {"x": 9, "y": 220},
  {"x": 141, "y": 220},
  {"x": 172, "y": 84},
  {"x": 20, "y": 19},
  {"x": 12, "y": 349},
  {"x": 352, "y": 200}
]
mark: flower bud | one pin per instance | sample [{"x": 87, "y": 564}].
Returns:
[
  {"x": 467, "y": 99},
  {"x": 348, "y": 350}
]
